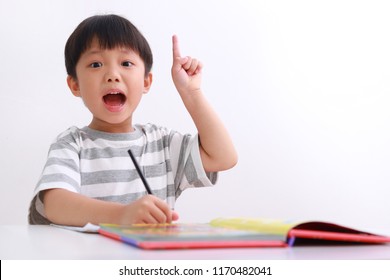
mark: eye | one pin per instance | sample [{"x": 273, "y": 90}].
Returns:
[
  {"x": 127, "y": 64},
  {"x": 96, "y": 64}
]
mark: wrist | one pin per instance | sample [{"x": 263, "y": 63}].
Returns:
[
  {"x": 191, "y": 95},
  {"x": 116, "y": 213}
]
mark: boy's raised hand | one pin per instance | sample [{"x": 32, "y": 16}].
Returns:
[{"x": 186, "y": 71}]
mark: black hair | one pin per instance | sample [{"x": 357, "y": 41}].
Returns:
[{"x": 111, "y": 31}]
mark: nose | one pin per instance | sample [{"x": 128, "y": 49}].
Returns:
[{"x": 112, "y": 75}]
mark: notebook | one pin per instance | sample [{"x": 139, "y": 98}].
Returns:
[{"x": 189, "y": 236}]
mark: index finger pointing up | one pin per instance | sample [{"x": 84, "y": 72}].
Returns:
[{"x": 175, "y": 47}]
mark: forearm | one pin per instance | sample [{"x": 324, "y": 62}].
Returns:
[
  {"x": 67, "y": 208},
  {"x": 73, "y": 209},
  {"x": 216, "y": 147}
]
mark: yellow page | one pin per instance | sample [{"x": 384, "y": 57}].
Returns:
[{"x": 269, "y": 226}]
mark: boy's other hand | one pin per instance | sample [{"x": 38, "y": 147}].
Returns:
[
  {"x": 186, "y": 71},
  {"x": 148, "y": 209}
]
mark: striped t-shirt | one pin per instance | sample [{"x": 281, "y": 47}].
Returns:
[{"x": 97, "y": 164}]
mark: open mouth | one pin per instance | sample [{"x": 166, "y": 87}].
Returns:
[{"x": 114, "y": 99}]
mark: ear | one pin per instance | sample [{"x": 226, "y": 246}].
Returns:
[
  {"x": 73, "y": 85},
  {"x": 148, "y": 82}
]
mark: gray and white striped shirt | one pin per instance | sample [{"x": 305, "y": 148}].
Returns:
[{"x": 97, "y": 164}]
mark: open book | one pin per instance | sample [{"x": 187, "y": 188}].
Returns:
[
  {"x": 300, "y": 233},
  {"x": 237, "y": 232}
]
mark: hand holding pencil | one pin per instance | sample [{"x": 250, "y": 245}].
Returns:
[{"x": 148, "y": 209}]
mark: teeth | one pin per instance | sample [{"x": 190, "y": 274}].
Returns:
[{"x": 114, "y": 93}]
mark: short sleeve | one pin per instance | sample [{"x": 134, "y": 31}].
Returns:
[
  {"x": 62, "y": 170},
  {"x": 187, "y": 164}
]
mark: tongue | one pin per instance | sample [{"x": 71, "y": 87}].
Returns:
[{"x": 113, "y": 99}]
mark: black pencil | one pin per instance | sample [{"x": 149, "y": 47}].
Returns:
[{"x": 147, "y": 187}]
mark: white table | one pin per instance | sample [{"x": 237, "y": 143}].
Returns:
[{"x": 25, "y": 242}]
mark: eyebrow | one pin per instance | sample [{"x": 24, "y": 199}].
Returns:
[
  {"x": 93, "y": 51},
  {"x": 99, "y": 51}
]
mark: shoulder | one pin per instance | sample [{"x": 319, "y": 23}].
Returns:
[
  {"x": 70, "y": 137},
  {"x": 70, "y": 132}
]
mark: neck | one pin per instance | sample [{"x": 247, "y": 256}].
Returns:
[{"x": 123, "y": 127}]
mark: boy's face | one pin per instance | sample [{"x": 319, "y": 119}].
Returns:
[{"x": 111, "y": 84}]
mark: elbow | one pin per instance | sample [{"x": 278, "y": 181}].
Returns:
[
  {"x": 227, "y": 162},
  {"x": 221, "y": 162},
  {"x": 233, "y": 160}
]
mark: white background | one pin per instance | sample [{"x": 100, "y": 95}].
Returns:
[{"x": 302, "y": 86}]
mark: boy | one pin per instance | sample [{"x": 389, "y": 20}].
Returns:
[{"x": 88, "y": 176}]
